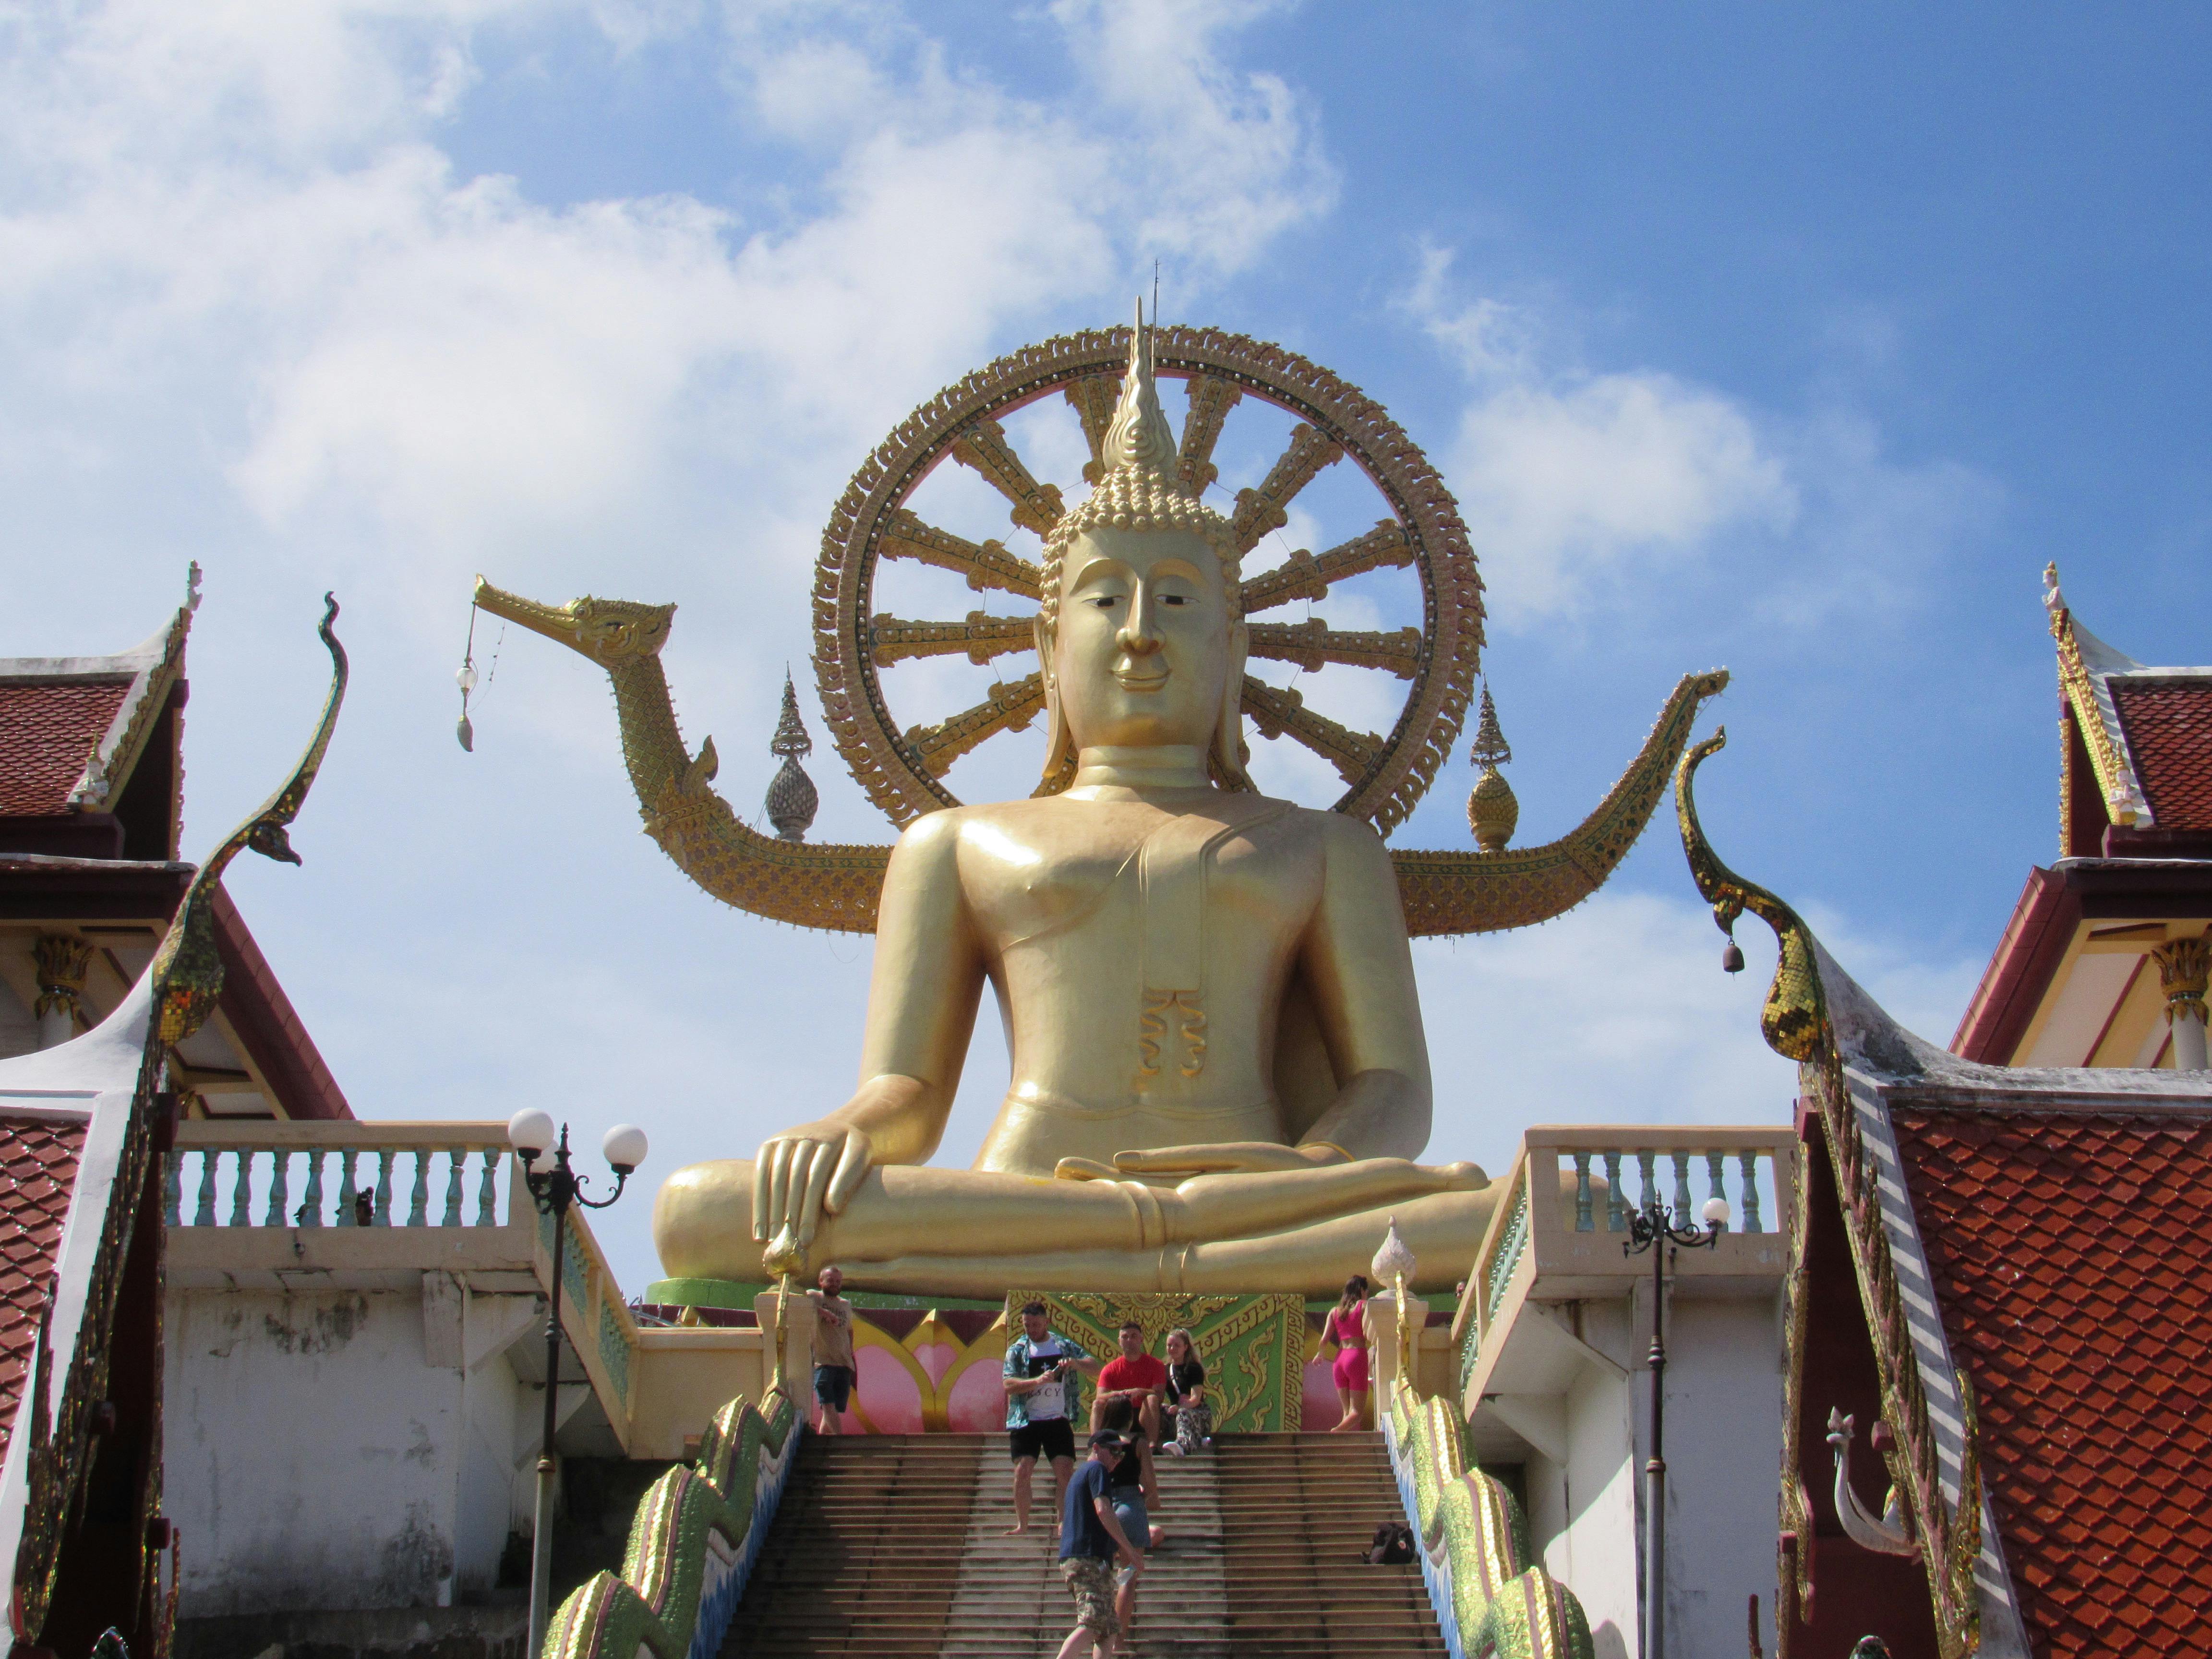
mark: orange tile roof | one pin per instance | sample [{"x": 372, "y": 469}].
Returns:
[
  {"x": 2169, "y": 727},
  {"x": 38, "y": 1171},
  {"x": 2071, "y": 1252},
  {"x": 47, "y": 731}
]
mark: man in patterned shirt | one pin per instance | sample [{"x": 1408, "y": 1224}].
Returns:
[{"x": 1041, "y": 1376}]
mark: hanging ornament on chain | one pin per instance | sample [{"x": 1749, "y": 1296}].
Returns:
[{"x": 465, "y": 677}]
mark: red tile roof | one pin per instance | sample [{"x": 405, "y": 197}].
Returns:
[
  {"x": 38, "y": 1169},
  {"x": 2072, "y": 1256},
  {"x": 47, "y": 730},
  {"x": 2169, "y": 727}
]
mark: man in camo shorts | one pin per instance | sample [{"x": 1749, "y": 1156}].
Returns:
[{"x": 1090, "y": 1540}]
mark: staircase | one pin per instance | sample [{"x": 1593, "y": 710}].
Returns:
[{"x": 893, "y": 1547}]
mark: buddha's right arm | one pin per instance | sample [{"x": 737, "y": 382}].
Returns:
[{"x": 922, "y": 997}]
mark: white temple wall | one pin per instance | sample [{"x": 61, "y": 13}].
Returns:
[
  {"x": 1593, "y": 1493},
  {"x": 1724, "y": 1446},
  {"x": 333, "y": 1451}
]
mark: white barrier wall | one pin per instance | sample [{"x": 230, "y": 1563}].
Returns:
[{"x": 344, "y": 1449}]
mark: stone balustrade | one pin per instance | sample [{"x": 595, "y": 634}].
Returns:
[{"x": 314, "y": 1173}]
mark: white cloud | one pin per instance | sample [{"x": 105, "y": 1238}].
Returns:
[
  {"x": 1619, "y": 1012},
  {"x": 1581, "y": 487}
]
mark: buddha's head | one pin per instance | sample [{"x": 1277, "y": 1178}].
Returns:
[{"x": 1141, "y": 638}]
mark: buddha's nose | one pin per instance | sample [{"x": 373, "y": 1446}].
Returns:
[{"x": 1136, "y": 637}]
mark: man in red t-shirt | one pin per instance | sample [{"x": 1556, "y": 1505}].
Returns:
[{"x": 1136, "y": 1378}]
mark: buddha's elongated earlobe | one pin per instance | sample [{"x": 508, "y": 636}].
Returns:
[
  {"x": 1059, "y": 743},
  {"x": 1229, "y": 749}
]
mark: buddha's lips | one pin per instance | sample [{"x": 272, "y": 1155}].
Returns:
[{"x": 1129, "y": 681}]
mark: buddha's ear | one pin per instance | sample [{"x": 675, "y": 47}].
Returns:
[
  {"x": 1230, "y": 751},
  {"x": 1059, "y": 745}
]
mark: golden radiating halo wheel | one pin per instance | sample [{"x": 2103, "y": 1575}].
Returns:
[{"x": 903, "y": 770}]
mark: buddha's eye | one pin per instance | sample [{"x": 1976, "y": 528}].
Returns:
[
  {"x": 1106, "y": 601},
  {"x": 1175, "y": 598}
]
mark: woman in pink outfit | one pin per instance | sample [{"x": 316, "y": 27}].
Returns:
[{"x": 1347, "y": 1328}]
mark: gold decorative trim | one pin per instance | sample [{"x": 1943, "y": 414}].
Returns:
[
  {"x": 1795, "y": 1024},
  {"x": 1335, "y": 419},
  {"x": 2115, "y": 773}
]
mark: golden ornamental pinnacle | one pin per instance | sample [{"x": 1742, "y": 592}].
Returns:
[
  {"x": 791, "y": 799},
  {"x": 1491, "y": 810}
]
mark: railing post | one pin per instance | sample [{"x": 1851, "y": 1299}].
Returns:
[
  {"x": 279, "y": 1192},
  {"x": 418, "y": 1214},
  {"x": 380, "y": 1216},
  {"x": 488, "y": 1191},
  {"x": 311, "y": 1201},
  {"x": 1583, "y": 1221},
  {"x": 348, "y": 1193},
  {"x": 241, "y": 1199},
  {"x": 1748, "y": 1162},
  {"x": 454, "y": 1159},
  {"x": 204, "y": 1215},
  {"x": 1616, "y": 1210}
]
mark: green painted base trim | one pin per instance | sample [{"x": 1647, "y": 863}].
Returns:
[{"x": 735, "y": 1293}]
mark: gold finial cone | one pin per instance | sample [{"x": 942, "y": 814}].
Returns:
[
  {"x": 1140, "y": 438},
  {"x": 1492, "y": 811}
]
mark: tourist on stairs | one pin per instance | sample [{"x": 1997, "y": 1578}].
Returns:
[
  {"x": 1090, "y": 1538},
  {"x": 835, "y": 1371},
  {"x": 1186, "y": 1397},
  {"x": 1136, "y": 1379},
  {"x": 1347, "y": 1328},
  {"x": 1041, "y": 1373}
]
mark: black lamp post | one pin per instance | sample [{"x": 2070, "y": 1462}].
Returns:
[
  {"x": 1649, "y": 1229},
  {"x": 555, "y": 1187}
]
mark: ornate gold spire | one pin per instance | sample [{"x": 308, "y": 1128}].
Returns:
[
  {"x": 1138, "y": 438},
  {"x": 1491, "y": 810},
  {"x": 791, "y": 799}
]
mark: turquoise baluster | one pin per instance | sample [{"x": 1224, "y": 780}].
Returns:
[
  {"x": 419, "y": 1200},
  {"x": 1748, "y": 1164},
  {"x": 382, "y": 1214},
  {"x": 348, "y": 1193},
  {"x": 1583, "y": 1222},
  {"x": 488, "y": 1193},
  {"x": 1716, "y": 1177},
  {"x": 241, "y": 1214},
  {"x": 1616, "y": 1207},
  {"x": 311, "y": 1201},
  {"x": 280, "y": 1163},
  {"x": 204, "y": 1215},
  {"x": 455, "y": 1158},
  {"x": 1644, "y": 1163}
]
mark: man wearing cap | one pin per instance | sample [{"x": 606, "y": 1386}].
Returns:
[{"x": 1090, "y": 1541}]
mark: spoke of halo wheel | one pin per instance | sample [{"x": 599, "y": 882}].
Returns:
[
  {"x": 1008, "y": 709},
  {"x": 1311, "y": 643},
  {"x": 988, "y": 564},
  {"x": 983, "y": 446},
  {"x": 1304, "y": 576},
  {"x": 1279, "y": 713},
  {"x": 1093, "y": 398},
  {"x": 893, "y": 639},
  {"x": 1212, "y": 397},
  {"x": 1266, "y": 509}
]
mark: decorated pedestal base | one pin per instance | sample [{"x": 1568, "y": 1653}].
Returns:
[{"x": 934, "y": 1365}]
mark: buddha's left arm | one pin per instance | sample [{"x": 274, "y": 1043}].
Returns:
[{"x": 1358, "y": 968}]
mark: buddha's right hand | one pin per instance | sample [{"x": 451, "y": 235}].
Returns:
[{"x": 799, "y": 1177}]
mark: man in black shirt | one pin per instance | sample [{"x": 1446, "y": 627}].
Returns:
[{"x": 1090, "y": 1538}]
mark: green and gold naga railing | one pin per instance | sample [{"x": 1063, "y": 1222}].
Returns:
[
  {"x": 692, "y": 1547},
  {"x": 1491, "y": 1597}
]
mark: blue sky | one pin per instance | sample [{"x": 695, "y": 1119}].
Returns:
[{"x": 1795, "y": 342}]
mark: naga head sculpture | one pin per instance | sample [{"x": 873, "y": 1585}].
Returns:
[
  {"x": 1140, "y": 638},
  {"x": 608, "y": 631}
]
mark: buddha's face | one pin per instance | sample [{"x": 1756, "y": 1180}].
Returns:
[{"x": 1142, "y": 654}]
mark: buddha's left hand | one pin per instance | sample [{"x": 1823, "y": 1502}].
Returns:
[{"x": 1215, "y": 1157}]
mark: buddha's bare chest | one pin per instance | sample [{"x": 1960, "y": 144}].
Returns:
[{"x": 1116, "y": 874}]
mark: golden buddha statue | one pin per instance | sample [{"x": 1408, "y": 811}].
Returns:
[
  {"x": 1220, "y": 1077},
  {"x": 1142, "y": 931}
]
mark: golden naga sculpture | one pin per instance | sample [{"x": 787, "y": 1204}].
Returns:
[{"x": 1220, "y": 1076}]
